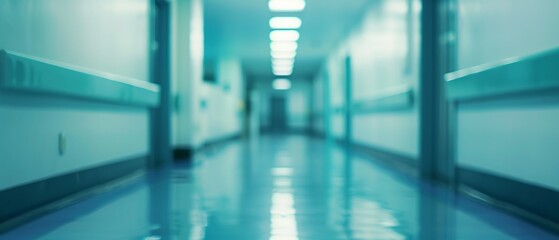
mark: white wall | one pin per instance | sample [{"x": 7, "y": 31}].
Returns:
[
  {"x": 224, "y": 111},
  {"x": 336, "y": 68},
  {"x": 105, "y": 35},
  {"x": 512, "y": 137},
  {"x": 205, "y": 111},
  {"x": 318, "y": 105},
  {"x": 187, "y": 54},
  {"x": 298, "y": 106},
  {"x": 383, "y": 48},
  {"x": 489, "y": 31}
]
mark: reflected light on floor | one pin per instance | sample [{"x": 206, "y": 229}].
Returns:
[
  {"x": 283, "y": 222},
  {"x": 282, "y": 171},
  {"x": 282, "y": 183}
]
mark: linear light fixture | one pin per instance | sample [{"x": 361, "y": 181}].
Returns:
[
  {"x": 282, "y": 62},
  {"x": 283, "y": 46},
  {"x": 283, "y": 54},
  {"x": 285, "y": 23},
  {"x": 283, "y": 73},
  {"x": 281, "y": 84},
  {"x": 282, "y": 68},
  {"x": 286, "y": 5},
  {"x": 284, "y": 35}
]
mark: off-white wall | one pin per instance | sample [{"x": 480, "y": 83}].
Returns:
[
  {"x": 513, "y": 137},
  {"x": 298, "y": 105},
  {"x": 318, "y": 105},
  {"x": 383, "y": 49},
  {"x": 489, "y": 31},
  {"x": 224, "y": 112},
  {"x": 106, "y": 35},
  {"x": 187, "y": 54},
  {"x": 336, "y": 70},
  {"x": 510, "y": 139}
]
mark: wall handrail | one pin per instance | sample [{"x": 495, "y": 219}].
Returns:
[
  {"x": 515, "y": 75},
  {"x": 390, "y": 99},
  {"x": 21, "y": 72}
]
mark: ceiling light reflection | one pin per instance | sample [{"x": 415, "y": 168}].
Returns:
[
  {"x": 283, "y": 223},
  {"x": 282, "y": 182}
]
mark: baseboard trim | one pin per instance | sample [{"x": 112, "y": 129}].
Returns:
[
  {"x": 219, "y": 141},
  {"x": 533, "y": 203},
  {"x": 400, "y": 162},
  {"x": 291, "y": 130},
  {"x": 24, "y": 203},
  {"x": 185, "y": 153}
]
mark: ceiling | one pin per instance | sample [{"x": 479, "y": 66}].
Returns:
[{"x": 240, "y": 28}]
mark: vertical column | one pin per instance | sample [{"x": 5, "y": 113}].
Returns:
[
  {"x": 160, "y": 74},
  {"x": 327, "y": 105},
  {"x": 348, "y": 119},
  {"x": 434, "y": 160},
  {"x": 188, "y": 51}
]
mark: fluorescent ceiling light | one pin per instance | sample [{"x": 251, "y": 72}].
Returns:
[
  {"x": 283, "y": 46},
  {"x": 284, "y": 35},
  {"x": 285, "y": 23},
  {"x": 286, "y": 5},
  {"x": 282, "y": 67},
  {"x": 276, "y": 66},
  {"x": 283, "y": 54},
  {"x": 283, "y": 70},
  {"x": 282, "y": 61},
  {"x": 283, "y": 73},
  {"x": 281, "y": 84}
]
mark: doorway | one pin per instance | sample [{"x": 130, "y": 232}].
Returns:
[{"x": 278, "y": 115}]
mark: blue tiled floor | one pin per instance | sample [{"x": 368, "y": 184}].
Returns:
[{"x": 278, "y": 188}]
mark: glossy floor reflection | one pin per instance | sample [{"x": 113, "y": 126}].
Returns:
[{"x": 278, "y": 187}]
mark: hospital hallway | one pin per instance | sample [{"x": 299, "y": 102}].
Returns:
[
  {"x": 279, "y": 119},
  {"x": 278, "y": 187}
]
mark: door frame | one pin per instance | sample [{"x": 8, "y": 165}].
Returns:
[
  {"x": 436, "y": 117},
  {"x": 159, "y": 72}
]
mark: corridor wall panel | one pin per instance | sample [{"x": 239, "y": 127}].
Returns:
[
  {"x": 187, "y": 59},
  {"x": 317, "y": 96},
  {"x": 383, "y": 47},
  {"x": 515, "y": 135},
  {"x": 489, "y": 31},
  {"x": 336, "y": 71},
  {"x": 223, "y": 102},
  {"x": 507, "y": 107},
  {"x": 104, "y": 36}
]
